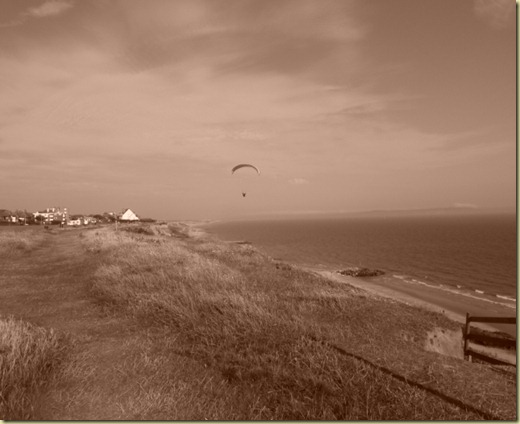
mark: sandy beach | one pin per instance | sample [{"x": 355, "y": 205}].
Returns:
[{"x": 454, "y": 305}]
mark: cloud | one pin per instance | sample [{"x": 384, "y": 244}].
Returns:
[
  {"x": 327, "y": 19},
  {"x": 298, "y": 181},
  {"x": 235, "y": 36},
  {"x": 49, "y": 8},
  {"x": 497, "y": 13}
]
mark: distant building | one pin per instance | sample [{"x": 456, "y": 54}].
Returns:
[
  {"x": 7, "y": 216},
  {"x": 128, "y": 216},
  {"x": 50, "y": 215},
  {"x": 81, "y": 220},
  {"x": 89, "y": 220}
]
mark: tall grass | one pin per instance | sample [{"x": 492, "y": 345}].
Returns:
[
  {"x": 17, "y": 242},
  {"x": 269, "y": 332},
  {"x": 27, "y": 355}
]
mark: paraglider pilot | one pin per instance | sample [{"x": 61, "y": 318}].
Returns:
[{"x": 244, "y": 165}]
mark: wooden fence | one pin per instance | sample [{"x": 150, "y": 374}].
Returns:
[{"x": 494, "y": 341}]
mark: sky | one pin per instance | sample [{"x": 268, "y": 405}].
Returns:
[{"x": 343, "y": 105}]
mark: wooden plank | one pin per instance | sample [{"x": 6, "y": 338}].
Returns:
[
  {"x": 466, "y": 334},
  {"x": 495, "y": 320},
  {"x": 480, "y": 356},
  {"x": 494, "y": 341}
]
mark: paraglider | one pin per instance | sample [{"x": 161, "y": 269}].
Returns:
[
  {"x": 245, "y": 165},
  {"x": 245, "y": 174}
]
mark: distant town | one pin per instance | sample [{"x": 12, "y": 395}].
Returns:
[{"x": 60, "y": 216}]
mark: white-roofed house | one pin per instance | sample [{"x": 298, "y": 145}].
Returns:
[{"x": 128, "y": 216}]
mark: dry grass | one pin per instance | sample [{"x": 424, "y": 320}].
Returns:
[
  {"x": 245, "y": 337},
  {"x": 18, "y": 242},
  {"x": 27, "y": 356}
]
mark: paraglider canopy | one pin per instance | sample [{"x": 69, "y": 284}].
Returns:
[
  {"x": 246, "y": 172},
  {"x": 245, "y": 165}
]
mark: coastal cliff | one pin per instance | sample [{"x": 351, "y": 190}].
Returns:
[{"x": 195, "y": 328}]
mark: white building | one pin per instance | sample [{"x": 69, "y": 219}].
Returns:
[
  {"x": 129, "y": 216},
  {"x": 53, "y": 214}
]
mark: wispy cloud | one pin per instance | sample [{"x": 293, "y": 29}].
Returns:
[
  {"x": 328, "y": 19},
  {"x": 497, "y": 13},
  {"x": 49, "y": 8}
]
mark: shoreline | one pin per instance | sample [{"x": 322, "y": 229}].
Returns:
[{"x": 453, "y": 305}]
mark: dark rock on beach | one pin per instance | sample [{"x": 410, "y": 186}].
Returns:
[
  {"x": 361, "y": 272},
  {"x": 283, "y": 266}
]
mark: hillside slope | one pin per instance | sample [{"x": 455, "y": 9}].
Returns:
[{"x": 160, "y": 322}]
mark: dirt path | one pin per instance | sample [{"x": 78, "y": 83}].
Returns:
[{"x": 49, "y": 287}]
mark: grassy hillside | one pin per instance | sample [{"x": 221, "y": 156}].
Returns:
[
  {"x": 14, "y": 243},
  {"x": 220, "y": 331},
  {"x": 27, "y": 356}
]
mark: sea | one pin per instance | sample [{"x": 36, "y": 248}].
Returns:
[{"x": 464, "y": 254}]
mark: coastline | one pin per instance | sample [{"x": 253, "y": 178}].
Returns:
[
  {"x": 453, "y": 305},
  {"x": 266, "y": 333}
]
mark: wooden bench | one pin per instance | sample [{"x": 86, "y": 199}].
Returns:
[{"x": 495, "y": 341}]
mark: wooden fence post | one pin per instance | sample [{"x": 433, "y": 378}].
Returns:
[{"x": 466, "y": 334}]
